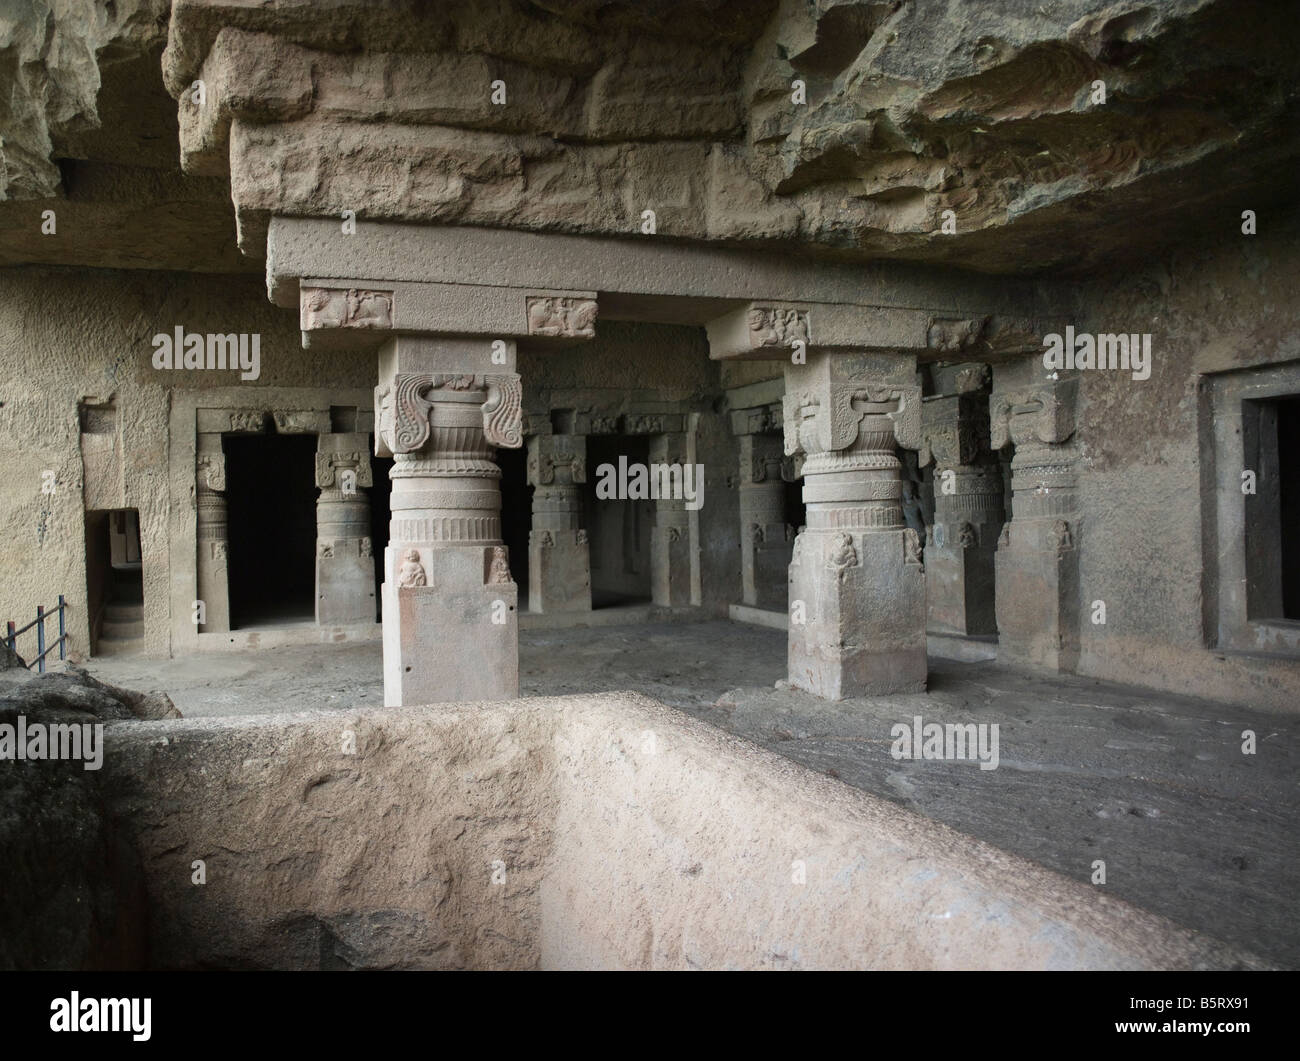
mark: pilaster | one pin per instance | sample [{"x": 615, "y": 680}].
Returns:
[{"x": 212, "y": 533}]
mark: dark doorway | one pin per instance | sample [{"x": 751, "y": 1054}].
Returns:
[
  {"x": 114, "y": 581},
  {"x": 516, "y": 514},
  {"x": 796, "y": 512},
  {"x": 1288, "y": 464},
  {"x": 618, "y": 531},
  {"x": 271, "y": 507},
  {"x": 381, "y": 518}
]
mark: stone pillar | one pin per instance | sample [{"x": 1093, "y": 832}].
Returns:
[
  {"x": 968, "y": 516},
  {"x": 559, "y": 562},
  {"x": 345, "y": 573},
  {"x": 857, "y": 584},
  {"x": 451, "y": 628},
  {"x": 670, "y": 539},
  {"x": 766, "y": 538},
  {"x": 212, "y": 533},
  {"x": 1037, "y": 557}
]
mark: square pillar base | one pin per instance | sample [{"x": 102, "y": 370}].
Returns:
[
  {"x": 559, "y": 574},
  {"x": 345, "y": 584},
  {"x": 960, "y": 583},
  {"x": 455, "y": 638},
  {"x": 863, "y": 602},
  {"x": 1037, "y": 597}
]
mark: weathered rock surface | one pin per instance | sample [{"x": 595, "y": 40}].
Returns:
[
  {"x": 907, "y": 110},
  {"x": 74, "y": 690},
  {"x": 54, "y": 59},
  {"x": 592, "y": 831},
  {"x": 73, "y": 894}
]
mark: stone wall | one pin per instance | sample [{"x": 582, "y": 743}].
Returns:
[
  {"x": 1220, "y": 305},
  {"x": 73, "y": 336}
]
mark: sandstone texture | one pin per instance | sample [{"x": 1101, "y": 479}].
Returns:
[
  {"x": 902, "y": 111},
  {"x": 591, "y": 831},
  {"x": 74, "y": 897}
]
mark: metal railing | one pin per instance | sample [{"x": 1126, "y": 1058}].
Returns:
[{"x": 11, "y": 635}]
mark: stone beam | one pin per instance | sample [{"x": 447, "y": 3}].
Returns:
[
  {"x": 666, "y": 274},
  {"x": 776, "y": 330},
  {"x": 362, "y": 313},
  {"x": 857, "y": 581}
]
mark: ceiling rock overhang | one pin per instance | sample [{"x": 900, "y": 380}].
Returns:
[{"x": 684, "y": 107}]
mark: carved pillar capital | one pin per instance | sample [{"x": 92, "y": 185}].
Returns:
[
  {"x": 835, "y": 399},
  {"x": 404, "y": 408},
  {"x": 1043, "y": 413},
  {"x": 557, "y": 460},
  {"x": 210, "y": 471},
  {"x": 857, "y": 568},
  {"x": 340, "y": 452}
]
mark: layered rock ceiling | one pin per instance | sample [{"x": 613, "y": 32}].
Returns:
[{"x": 683, "y": 107}]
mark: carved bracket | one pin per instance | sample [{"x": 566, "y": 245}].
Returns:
[
  {"x": 211, "y": 468},
  {"x": 954, "y": 335},
  {"x": 546, "y": 453},
  {"x": 336, "y": 307},
  {"x": 328, "y": 465},
  {"x": 814, "y": 427},
  {"x": 778, "y": 326},
  {"x": 561, "y": 317}
]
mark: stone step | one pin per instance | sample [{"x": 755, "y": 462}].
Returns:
[
  {"x": 132, "y": 629},
  {"x": 113, "y": 646}
]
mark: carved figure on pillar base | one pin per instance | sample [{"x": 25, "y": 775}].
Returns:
[
  {"x": 412, "y": 573},
  {"x": 499, "y": 571}
]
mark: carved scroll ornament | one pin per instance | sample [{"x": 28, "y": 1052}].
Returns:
[{"x": 404, "y": 408}]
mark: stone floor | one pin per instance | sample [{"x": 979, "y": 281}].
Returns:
[{"x": 1154, "y": 785}]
